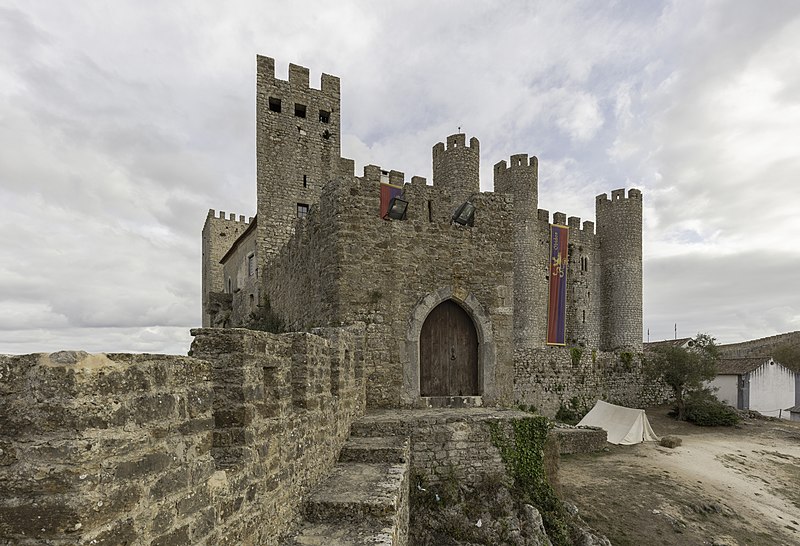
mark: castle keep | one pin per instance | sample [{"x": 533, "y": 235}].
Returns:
[
  {"x": 263, "y": 438},
  {"x": 455, "y": 312}
]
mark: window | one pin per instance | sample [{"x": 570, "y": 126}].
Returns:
[
  {"x": 584, "y": 316},
  {"x": 252, "y": 302},
  {"x": 305, "y": 181},
  {"x": 300, "y": 110},
  {"x": 251, "y": 264},
  {"x": 584, "y": 263},
  {"x": 324, "y": 117},
  {"x": 229, "y": 286},
  {"x": 302, "y": 210},
  {"x": 274, "y": 104}
]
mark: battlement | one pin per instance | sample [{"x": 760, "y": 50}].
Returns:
[
  {"x": 518, "y": 161},
  {"x": 619, "y": 195},
  {"x": 298, "y": 76},
  {"x": 373, "y": 173},
  {"x": 457, "y": 141},
  {"x": 212, "y": 214}
]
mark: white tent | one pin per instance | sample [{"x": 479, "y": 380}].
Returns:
[{"x": 625, "y": 426}]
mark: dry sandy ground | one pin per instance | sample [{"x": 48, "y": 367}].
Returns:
[{"x": 723, "y": 486}]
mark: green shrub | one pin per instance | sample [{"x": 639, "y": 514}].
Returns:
[
  {"x": 575, "y": 354},
  {"x": 704, "y": 409}
]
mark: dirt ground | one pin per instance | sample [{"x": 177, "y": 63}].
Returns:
[{"x": 722, "y": 486}]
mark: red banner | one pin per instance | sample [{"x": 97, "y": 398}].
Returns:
[
  {"x": 557, "y": 309},
  {"x": 387, "y": 192}
]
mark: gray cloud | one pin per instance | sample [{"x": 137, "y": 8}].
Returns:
[{"x": 120, "y": 127}]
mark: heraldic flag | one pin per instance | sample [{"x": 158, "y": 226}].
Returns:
[
  {"x": 388, "y": 191},
  {"x": 557, "y": 309}
]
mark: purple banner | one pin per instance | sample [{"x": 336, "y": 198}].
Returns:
[{"x": 557, "y": 309}]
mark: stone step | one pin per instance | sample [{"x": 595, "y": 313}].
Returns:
[
  {"x": 348, "y": 533},
  {"x": 375, "y": 450},
  {"x": 356, "y": 491}
]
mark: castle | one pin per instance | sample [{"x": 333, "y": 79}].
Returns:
[
  {"x": 393, "y": 295},
  {"x": 456, "y": 307}
]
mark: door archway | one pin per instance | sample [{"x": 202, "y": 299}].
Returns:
[{"x": 448, "y": 345}]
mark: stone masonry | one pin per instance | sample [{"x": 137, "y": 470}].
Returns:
[{"x": 324, "y": 257}]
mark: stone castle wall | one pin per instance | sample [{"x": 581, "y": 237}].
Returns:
[
  {"x": 395, "y": 270},
  {"x": 156, "y": 450},
  {"x": 219, "y": 233},
  {"x": 619, "y": 231},
  {"x": 550, "y": 379},
  {"x": 298, "y": 148}
]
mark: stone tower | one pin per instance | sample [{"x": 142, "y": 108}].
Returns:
[
  {"x": 297, "y": 149},
  {"x": 619, "y": 234},
  {"x": 520, "y": 179},
  {"x": 219, "y": 233},
  {"x": 456, "y": 168}
]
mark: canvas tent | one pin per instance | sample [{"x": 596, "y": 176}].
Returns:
[{"x": 625, "y": 426}]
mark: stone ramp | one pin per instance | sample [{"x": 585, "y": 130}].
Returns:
[{"x": 364, "y": 500}]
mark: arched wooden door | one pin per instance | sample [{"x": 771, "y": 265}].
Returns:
[{"x": 448, "y": 347}]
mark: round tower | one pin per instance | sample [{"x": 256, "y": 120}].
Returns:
[
  {"x": 619, "y": 234},
  {"x": 456, "y": 167},
  {"x": 520, "y": 179}
]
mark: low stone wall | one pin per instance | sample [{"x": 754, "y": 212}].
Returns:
[
  {"x": 218, "y": 448},
  {"x": 549, "y": 379},
  {"x": 444, "y": 441}
]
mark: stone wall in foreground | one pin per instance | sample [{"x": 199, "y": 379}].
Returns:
[{"x": 218, "y": 448}]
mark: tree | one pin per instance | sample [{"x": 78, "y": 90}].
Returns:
[{"x": 685, "y": 369}]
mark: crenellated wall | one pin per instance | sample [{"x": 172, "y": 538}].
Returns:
[
  {"x": 156, "y": 449},
  {"x": 619, "y": 235},
  {"x": 219, "y": 233},
  {"x": 552, "y": 378}
]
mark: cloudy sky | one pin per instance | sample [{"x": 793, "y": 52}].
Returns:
[{"x": 122, "y": 123}]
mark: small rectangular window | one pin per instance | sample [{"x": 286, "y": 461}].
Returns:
[
  {"x": 274, "y": 104},
  {"x": 251, "y": 264},
  {"x": 305, "y": 181},
  {"x": 300, "y": 110},
  {"x": 324, "y": 117},
  {"x": 302, "y": 210}
]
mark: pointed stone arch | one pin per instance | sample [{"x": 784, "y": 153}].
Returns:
[{"x": 483, "y": 327}]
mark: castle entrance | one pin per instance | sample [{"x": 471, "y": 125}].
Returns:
[{"x": 448, "y": 350}]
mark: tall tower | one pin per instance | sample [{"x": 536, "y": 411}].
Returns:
[
  {"x": 456, "y": 168},
  {"x": 521, "y": 180},
  {"x": 298, "y": 149},
  {"x": 619, "y": 234}
]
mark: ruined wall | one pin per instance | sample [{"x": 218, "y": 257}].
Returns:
[
  {"x": 156, "y": 450},
  {"x": 219, "y": 233},
  {"x": 549, "y": 379}
]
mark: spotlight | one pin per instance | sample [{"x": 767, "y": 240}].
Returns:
[{"x": 397, "y": 208}]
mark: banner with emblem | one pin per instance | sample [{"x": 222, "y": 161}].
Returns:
[{"x": 557, "y": 309}]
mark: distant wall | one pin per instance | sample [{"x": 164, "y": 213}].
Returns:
[
  {"x": 156, "y": 449},
  {"x": 548, "y": 379},
  {"x": 760, "y": 347}
]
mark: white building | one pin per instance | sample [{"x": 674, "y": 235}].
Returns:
[{"x": 758, "y": 383}]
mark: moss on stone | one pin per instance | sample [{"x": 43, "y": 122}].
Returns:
[{"x": 523, "y": 454}]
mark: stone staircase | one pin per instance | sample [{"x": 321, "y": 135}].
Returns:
[{"x": 364, "y": 501}]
